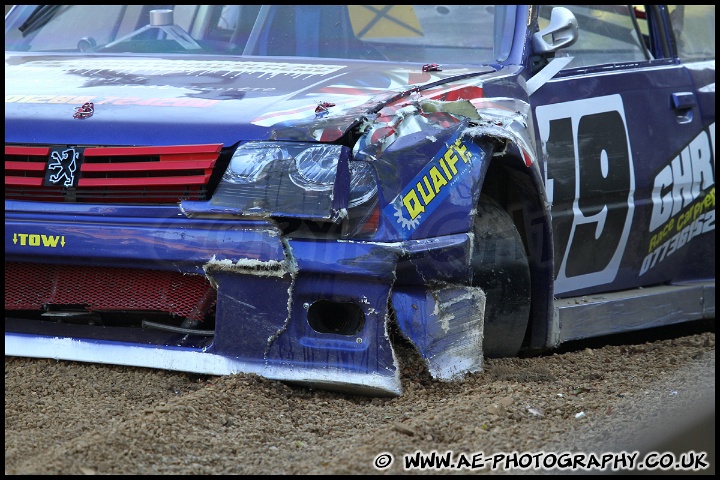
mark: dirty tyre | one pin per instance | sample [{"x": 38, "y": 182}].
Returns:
[{"x": 500, "y": 267}]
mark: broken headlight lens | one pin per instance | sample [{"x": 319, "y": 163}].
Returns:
[
  {"x": 306, "y": 181},
  {"x": 286, "y": 179},
  {"x": 363, "y": 212}
]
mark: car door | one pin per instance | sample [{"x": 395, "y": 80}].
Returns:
[
  {"x": 693, "y": 41},
  {"x": 618, "y": 113}
]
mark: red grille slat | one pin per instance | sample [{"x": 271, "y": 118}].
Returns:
[
  {"x": 29, "y": 166},
  {"x": 22, "y": 150},
  {"x": 146, "y": 174},
  {"x": 143, "y": 181},
  {"x": 23, "y": 181},
  {"x": 31, "y": 286},
  {"x": 148, "y": 166}
]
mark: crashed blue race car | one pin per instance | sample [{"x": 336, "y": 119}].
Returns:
[{"x": 286, "y": 190}]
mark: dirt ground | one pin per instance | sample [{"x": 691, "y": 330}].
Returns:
[{"x": 645, "y": 393}]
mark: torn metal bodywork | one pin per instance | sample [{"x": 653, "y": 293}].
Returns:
[
  {"x": 338, "y": 338},
  {"x": 446, "y": 326},
  {"x": 425, "y": 282}
]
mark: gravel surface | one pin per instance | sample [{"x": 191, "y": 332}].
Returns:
[{"x": 648, "y": 392}]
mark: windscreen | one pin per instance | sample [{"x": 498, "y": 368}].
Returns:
[{"x": 405, "y": 33}]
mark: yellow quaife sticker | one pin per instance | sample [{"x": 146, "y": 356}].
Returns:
[{"x": 432, "y": 184}]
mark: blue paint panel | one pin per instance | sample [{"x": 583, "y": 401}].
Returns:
[
  {"x": 445, "y": 259},
  {"x": 367, "y": 351},
  {"x": 345, "y": 258},
  {"x": 171, "y": 244},
  {"x": 251, "y": 309},
  {"x": 266, "y": 317}
]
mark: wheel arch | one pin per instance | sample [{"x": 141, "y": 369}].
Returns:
[{"x": 518, "y": 186}]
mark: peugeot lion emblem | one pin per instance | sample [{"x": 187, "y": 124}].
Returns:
[{"x": 62, "y": 166}]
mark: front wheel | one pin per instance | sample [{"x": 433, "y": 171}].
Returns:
[{"x": 501, "y": 268}]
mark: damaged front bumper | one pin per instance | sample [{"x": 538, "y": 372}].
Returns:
[{"x": 304, "y": 311}]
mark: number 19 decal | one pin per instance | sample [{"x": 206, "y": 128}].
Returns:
[{"x": 590, "y": 184}]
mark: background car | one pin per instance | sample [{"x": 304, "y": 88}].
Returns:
[{"x": 290, "y": 189}]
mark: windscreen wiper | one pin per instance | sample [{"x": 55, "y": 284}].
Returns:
[{"x": 39, "y": 17}]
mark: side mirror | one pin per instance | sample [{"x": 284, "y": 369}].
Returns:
[{"x": 562, "y": 31}]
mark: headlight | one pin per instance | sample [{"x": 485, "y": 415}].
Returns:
[
  {"x": 363, "y": 213},
  {"x": 249, "y": 162},
  {"x": 315, "y": 167},
  {"x": 363, "y": 186},
  {"x": 305, "y": 181},
  {"x": 285, "y": 179}
]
